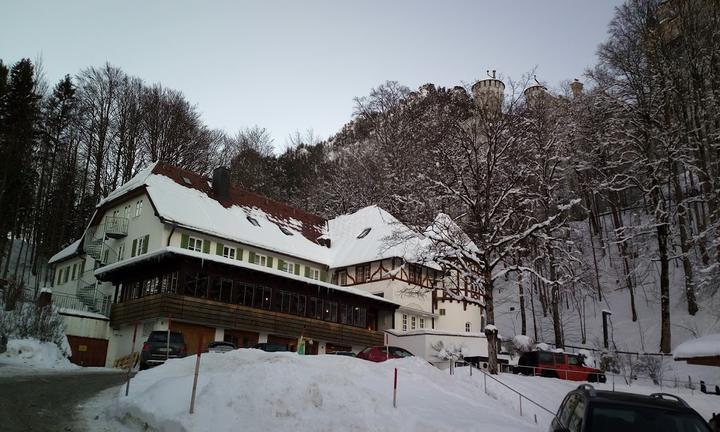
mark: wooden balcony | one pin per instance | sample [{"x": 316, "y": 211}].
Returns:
[{"x": 231, "y": 316}]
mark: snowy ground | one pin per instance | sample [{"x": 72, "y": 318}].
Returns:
[{"x": 254, "y": 390}]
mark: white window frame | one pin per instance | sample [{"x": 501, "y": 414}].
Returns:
[
  {"x": 139, "y": 246},
  {"x": 289, "y": 267},
  {"x": 138, "y": 208},
  {"x": 260, "y": 259},
  {"x": 193, "y": 243},
  {"x": 342, "y": 278},
  {"x": 127, "y": 211},
  {"x": 121, "y": 252},
  {"x": 468, "y": 327},
  {"x": 413, "y": 322},
  {"x": 229, "y": 252},
  {"x": 404, "y": 322},
  {"x": 314, "y": 273},
  {"x": 421, "y": 322}
]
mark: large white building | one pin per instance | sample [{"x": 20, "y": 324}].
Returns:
[{"x": 222, "y": 263}]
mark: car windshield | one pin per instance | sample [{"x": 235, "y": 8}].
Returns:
[
  {"x": 162, "y": 337},
  {"x": 629, "y": 418},
  {"x": 399, "y": 352}
]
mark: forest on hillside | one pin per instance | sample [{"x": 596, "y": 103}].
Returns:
[{"x": 513, "y": 174}]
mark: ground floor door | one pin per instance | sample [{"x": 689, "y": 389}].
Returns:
[
  {"x": 192, "y": 334},
  {"x": 241, "y": 339},
  {"x": 88, "y": 351}
]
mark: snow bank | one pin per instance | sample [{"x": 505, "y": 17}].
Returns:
[
  {"x": 706, "y": 346},
  {"x": 253, "y": 390},
  {"x": 35, "y": 354}
]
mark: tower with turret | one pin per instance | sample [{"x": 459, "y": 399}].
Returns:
[{"x": 489, "y": 93}]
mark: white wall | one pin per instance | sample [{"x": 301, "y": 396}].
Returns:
[
  {"x": 85, "y": 327},
  {"x": 456, "y": 316},
  {"x": 421, "y": 344}
]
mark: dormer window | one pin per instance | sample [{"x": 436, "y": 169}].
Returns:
[
  {"x": 253, "y": 221},
  {"x": 286, "y": 231},
  {"x": 364, "y": 232}
]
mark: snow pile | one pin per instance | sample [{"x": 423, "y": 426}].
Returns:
[
  {"x": 706, "y": 346},
  {"x": 35, "y": 354},
  {"x": 254, "y": 391}
]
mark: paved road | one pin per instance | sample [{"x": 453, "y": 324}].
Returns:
[{"x": 41, "y": 403}]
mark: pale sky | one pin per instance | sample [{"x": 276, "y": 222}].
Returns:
[{"x": 297, "y": 65}]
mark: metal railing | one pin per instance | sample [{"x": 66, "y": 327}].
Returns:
[
  {"x": 100, "y": 304},
  {"x": 520, "y": 396},
  {"x": 610, "y": 377},
  {"x": 115, "y": 225}
]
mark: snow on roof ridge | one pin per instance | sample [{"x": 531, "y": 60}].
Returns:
[{"x": 66, "y": 252}]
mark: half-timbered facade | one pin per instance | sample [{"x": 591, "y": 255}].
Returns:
[{"x": 171, "y": 247}]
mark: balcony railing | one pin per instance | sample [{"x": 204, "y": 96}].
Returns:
[{"x": 116, "y": 227}]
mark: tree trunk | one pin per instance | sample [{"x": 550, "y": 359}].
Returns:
[
  {"x": 523, "y": 319},
  {"x": 623, "y": 246},
  {"x": 664, "y": 290},
  {"x": 684, "y": 244},
  {"x": 491, "y": 331}
]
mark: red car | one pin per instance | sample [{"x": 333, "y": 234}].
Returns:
[
  {"x": 380, "y": 353},
  {"x": 557, "y": 365}
]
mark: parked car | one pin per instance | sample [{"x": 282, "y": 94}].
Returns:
[
  {"x": 221, "y": 347},
  {"x": 271, "y": 347},
  {"x": 557, "y": 365},
  {"x": 382, "y": 353},
  {"x": 156, "y": 350},
  {"x": 586, "y": 409}
]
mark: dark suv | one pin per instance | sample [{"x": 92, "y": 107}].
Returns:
[
  {"x": 156, "y": 349},
  {"x": 586, "y": 409}
]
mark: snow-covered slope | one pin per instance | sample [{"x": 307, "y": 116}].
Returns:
[
  {"x": 252, "y": 390},
  {"x": 642, "y": 335}
]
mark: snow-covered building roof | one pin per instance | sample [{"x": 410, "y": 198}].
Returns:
[
  {"x": 69, "y": 251},
  {"x": 705, "y": 346},
  {"x": 188, "y": 200}
]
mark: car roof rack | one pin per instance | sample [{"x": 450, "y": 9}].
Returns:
[
  {"x": 587, "y": 387},
  {"x": 665, "y": 396}
]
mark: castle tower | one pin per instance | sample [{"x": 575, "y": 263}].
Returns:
[
  {"x": 489, "y": 93},
  {"x": 535, "y": 94},
  {"x": 576, "y": 87}
]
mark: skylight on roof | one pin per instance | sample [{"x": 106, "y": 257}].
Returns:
[
  {"x": 187, "y": 181},
  {"x": 286, "y": 231},
  {"x": 253, "y": 221},
  {"x": 364, "y": 233}
]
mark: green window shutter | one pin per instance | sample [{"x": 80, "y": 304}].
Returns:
[
  {"x": 74, "y": 271},
  {"x": 59, "y": 278},
  {"x": 219, "y": 248},
  {"x": 145, "y": 243},
  {"x": 134, "y": 247},
  {"x": 281, "y": 263},
  {"x": 82, "y": 268},
  {"x": 206, "y": 246},
  {"x": 252, "y": 257},
  {"x": 67, "y": 273},
  {"x": 323, "y": 275},
  {"x": 297, "y": 268},
  {"x": 270, "y": 261},
  {"x": 307, "y": 271},
  {"x": 184, "y": 241},
  {"x": 239, "y": 254}
]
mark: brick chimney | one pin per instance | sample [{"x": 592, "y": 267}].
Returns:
[{"x": 221, "y": 183}]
